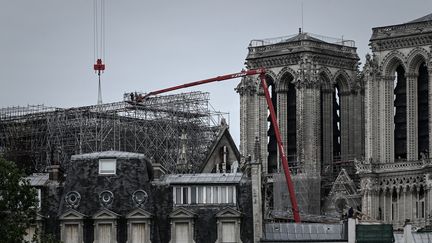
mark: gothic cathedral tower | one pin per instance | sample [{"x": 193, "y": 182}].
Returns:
[{"x": 318, "y": 99}]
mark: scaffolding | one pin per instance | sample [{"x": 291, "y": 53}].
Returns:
[{"x": 37, "y": 136}]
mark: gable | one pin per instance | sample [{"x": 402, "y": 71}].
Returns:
[
  {"x": 223, "y": 139},
  {"x": 72, "y": 214},
  {"x": 105, "y": 214},
  {"x": 343, "y": 195},
  {"x": 228, "y": 212},
  {"x": 182, "y": 213},
  {"x": 139, "y": 214}
]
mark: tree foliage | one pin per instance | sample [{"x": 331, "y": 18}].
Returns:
[{"x": 18, "y": 203}]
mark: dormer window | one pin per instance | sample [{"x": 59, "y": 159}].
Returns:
[{"x": 107, "y": 166}]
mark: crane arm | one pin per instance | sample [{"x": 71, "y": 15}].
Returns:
[
  {"x": 206, "y": 81},
  {"x": 261, "y": 72}
]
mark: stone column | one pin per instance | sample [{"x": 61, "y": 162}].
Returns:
[
  {"x": 408, "y": 201},
  {"x": 248, "y": 115},
  {"x": 404, "y": 208},
  {"x": 263, "y": 127},
  {"x": 384, "y": 206},
  {"x": 375, "y": 203},
  {"x": 327, "y": 131},
  {"x": 299, "y": 123},
  {"x": 430, "y": 108},
  {"x": 412, "y": 117},
  {"x": 357, "y": 126},
  {"x": 375, "y": 120},
  {"x": 370, "y": 108},
  {"x": 311, "y": 128},
  {"x": 344, "y": 124},
  {"x": 257, "y": 202},
  {"x": 386, "y": 116},
  {"x": 427, "y": 203}
]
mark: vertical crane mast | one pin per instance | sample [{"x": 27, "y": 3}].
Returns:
[
  {"x": 261, "y": 73},
  {"x": 99, "y": 42}
]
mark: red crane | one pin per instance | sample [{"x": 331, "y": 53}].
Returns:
[{"x": 261, "y": 72}]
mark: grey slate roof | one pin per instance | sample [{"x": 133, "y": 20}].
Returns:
[
  {"x": 204, "y": 178},
  {"x": 38, "y": 179},
  {"x": 108, "y": 154},
  {"x": 422, "y": 19},
  {"x": 417, "y": 237},
  {"x": 304, "y": 232},
  {"x": 302, "y": 36}
]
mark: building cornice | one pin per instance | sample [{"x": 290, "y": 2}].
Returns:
[{"x": 407, "y": 29}]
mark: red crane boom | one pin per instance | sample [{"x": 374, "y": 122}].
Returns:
[{"x": 261, "y": 72}]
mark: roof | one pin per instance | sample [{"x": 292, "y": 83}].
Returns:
[
  {"x": 108, "y": 154},
  {"x": 422, "y": 19},
  {"x": 303, "y": 232},
  {"x": 223, "y": 131},
  {"x": 417, "y": 237},
  {"x": 303, "y": 36},
  {"x": 38, "y": 179},
  {"x": 204, "y": 178}
]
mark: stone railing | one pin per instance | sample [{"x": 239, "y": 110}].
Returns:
[
  {"x": 259, "y": 49},
  {"x": 363, "y": 166}
]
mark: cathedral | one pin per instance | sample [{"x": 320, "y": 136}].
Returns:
[
  {"x": 395, "y": 171},
  {"x": 357, "y": 139},
  {"x": 367, "y": 129}
]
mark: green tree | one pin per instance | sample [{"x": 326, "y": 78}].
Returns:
[{"x": 18, "y": 203}]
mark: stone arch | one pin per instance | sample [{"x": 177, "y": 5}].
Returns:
[
  {"x": 391, "y": 61},
  {"x": 415, "y": 58},
  {"x": 342, "y": 78},
  {"x": 281, "y": 84},
  {"x": 326, "y": 76},
  {"x": 269, "y": 75},
  {"x": 285, "y": 71}
]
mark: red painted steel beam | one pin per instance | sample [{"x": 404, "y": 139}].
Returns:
[
  {"x": 282, "y": 154},
  {"x": 261, "y": 73},
  {"x": 206, "y": 81}
]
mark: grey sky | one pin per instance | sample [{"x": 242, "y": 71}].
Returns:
[{"x": 46, "y": 46}]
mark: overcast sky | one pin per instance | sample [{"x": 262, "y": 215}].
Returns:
[{"x": 46, "y": 46}]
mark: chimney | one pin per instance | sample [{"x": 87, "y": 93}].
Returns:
[{"x": 55, "y": 173}]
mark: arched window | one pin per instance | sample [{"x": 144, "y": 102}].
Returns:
[
  {"x": 423, "y": 111},
  {"x": 272, "y": 143},
  {"x": 336, "y": 122},
  {"x": 400, "y": 116},
  {"x": 291, "y": 116},
  {"x": 394, "y": 205}
]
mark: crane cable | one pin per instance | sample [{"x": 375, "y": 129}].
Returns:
[{"x": 99, "y": 41}]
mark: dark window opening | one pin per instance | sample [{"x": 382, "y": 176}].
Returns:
[
  {"x": 272, "y": 143},
  {"x": 292, "y": 125},
  {"x": 423, "y": 111},
  {"x": 400, "y": 119},
  {"x": 336, "y": 123}
]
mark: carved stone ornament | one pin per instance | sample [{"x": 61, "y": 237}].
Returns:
[
  {"x": 73, "y": 199},
  {"x": 139, "y": 197},
  {"x": 106, "y": 198}
]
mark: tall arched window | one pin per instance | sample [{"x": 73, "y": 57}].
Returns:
[
  {"x": 336, "y": 122},
  {"x": 400, "y": 116},
  {"x": 292, "y": 124},
  {"x": 423, "y": 110},
  {"x": 272, "y": 143}
]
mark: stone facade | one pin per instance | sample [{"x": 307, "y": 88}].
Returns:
[
  {"x": 318, "y": 99},
  {"x": 395, "y": 175}
]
